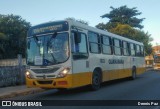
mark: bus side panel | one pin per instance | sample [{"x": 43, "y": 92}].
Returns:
[
  {"x": 126, "y": 72},
  {"x": 81, "y": 79},
  {"x": 117, "y": 71},
  {"x": 116, "y": 74},
  {"x": 139, "y": 63},
  {"x": 80, "y": 73},
  {"x": 106, "y": 75}
]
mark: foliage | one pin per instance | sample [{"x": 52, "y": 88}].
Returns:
[
  {"x": 3, "y": 39},
  {"x": 13, "y": 31},
  {"x": 107, "y": 26},
  {"x": 77, "y": 20},
  {"x": 124, "y": 15},
  {"x": 123, "y": 22}
]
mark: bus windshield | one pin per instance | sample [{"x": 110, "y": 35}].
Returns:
[
  {"x": 47, "y": 49},
  {"x": 157, "y": 59}
]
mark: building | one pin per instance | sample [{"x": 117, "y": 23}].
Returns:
[
  {"x": 156, "y": 49},
  {"x": 149, "y": 59}
]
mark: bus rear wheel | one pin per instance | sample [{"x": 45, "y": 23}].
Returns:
[
  {"x": 134, "y": 75},
  {"x": 61, "y": 89},
  {"x": 96, "y": 80}
]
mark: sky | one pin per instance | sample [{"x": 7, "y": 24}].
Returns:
[{"x": 40, "y": 11}]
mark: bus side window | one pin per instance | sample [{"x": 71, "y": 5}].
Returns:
[
  {"x": 125, "y": 48},
  {"x": 142, "y": 51},
  {"x": 94, "y": 42},
  {"x": 117, "y": 46},
  {"x": 121, "y": 46},
  {"x": 106, "y": 45},
  {"x": 138, "y": 52},
  {"x": 132, "y": 47},
  {"x": 129, "y": 49}
]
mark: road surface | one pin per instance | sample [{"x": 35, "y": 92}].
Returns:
[{"x": 144, "y": 87}]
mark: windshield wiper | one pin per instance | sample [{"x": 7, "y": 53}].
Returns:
[
  {"x": 52, "y": 37},
  {"x": 48, "y": 44},
  {"x": 36, "y": 40}
]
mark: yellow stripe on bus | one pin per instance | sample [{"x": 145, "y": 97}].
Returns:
[{"x": 82, "y": 79}]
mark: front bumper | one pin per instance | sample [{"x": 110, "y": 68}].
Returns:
[{"x": 65, "y": 82}]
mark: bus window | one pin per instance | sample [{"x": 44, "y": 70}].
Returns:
[
  {"x": 79, "y": 50},
  {"x": 117, "y": 46},
  {"x": 132, "y": 49},
  {"x": 142, "y": 51},
  {"x": 138, "y": 52},
  {"x": 94, "y": 42},
  {"x": 125, "y": 48},
  {"x": 106, "y": 45}
]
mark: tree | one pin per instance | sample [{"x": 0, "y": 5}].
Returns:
[
  {"x": 3, "y": 39},
  {"x": 77, "y": 20},
  {"x": 124, "y": 15},
  {"x": 13, "y": 31},
  {"x": 123, "y": 22}
]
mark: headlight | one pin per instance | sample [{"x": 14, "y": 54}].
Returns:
[
  {"x": 29, "y": 75},
  {"x": 63, "y": 73}
]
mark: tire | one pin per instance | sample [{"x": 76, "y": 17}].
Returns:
[
  {"x": 46, "y": 88},
  {"x": 134, "y": 75},
  {"x": 62, "y": 89},
  {"x": 96, "y": 80}
]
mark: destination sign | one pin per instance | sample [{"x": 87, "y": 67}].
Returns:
[
  {"x": 48, "y": 28},
  {"x": 116, "y": 61}
]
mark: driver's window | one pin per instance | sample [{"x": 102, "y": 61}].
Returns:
[{"x": 79, "y": 49}]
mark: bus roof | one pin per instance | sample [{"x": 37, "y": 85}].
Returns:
[
  {"x": 96, "y": 30},
  {"x": 103, "y": 32}
]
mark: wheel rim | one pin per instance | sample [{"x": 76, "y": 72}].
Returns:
[
  {"x": 96, "y": 80},
  {"x": 134, "y": 74}
]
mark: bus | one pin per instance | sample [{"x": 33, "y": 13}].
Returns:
[
  {"x": 68, "y": 54},
  {"x": 156, "y": 61}
]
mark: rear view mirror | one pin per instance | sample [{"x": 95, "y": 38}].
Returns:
[{"x": 77, "y": 37}]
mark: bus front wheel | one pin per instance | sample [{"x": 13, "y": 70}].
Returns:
[{"x": 96, "y": 80}]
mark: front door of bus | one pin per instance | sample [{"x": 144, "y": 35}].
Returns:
[{"x": 80, "y": 63}]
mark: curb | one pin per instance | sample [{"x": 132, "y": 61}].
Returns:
[{"x": 21, "y": 93}]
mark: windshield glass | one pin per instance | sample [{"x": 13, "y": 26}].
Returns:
[
  {"x": 157, "y": 59},
  {"x": 47, "y": 49}
]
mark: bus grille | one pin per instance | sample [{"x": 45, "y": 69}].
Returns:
[
  {"x": 51, "y": 70},
  {"x": 45, "y": 82}
]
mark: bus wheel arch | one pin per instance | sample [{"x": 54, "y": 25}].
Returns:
[
  {"x": 134, "y": 72},
  {"x": 96, "y": 78}
]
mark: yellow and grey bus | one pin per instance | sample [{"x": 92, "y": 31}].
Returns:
[{"x": 69, "y": 54}]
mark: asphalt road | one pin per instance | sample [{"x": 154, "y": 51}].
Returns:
[{"x": 144, "y": 87}]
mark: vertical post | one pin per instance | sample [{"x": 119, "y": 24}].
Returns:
[{"x": 20, "y": 68}]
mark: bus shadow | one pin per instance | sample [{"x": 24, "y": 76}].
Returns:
[
  {"x": 86, "y": 89},
  {"x": 117, "y": 81}
]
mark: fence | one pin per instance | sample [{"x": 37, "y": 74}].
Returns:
[
  {"x": 12, "y": 72},
  {"x": 11, "y": 62}
]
